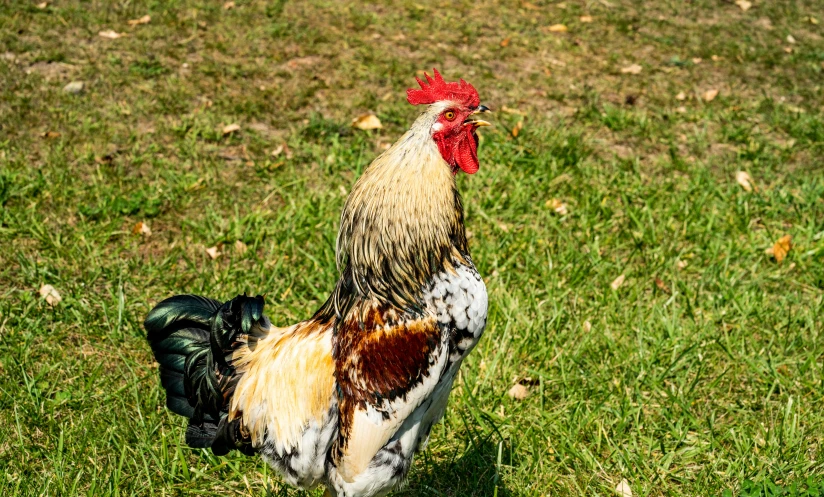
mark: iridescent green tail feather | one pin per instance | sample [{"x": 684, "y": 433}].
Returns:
[{"x": 191, "y": 337}]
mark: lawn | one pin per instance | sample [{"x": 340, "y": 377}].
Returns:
[{"x": 644, "y": 158}]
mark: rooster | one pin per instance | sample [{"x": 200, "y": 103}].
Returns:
[{"x": 346, "y": 398}]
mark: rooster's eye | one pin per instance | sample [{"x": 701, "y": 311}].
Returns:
[{"x": 449, "y": 115}]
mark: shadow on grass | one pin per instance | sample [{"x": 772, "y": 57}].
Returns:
[{"x": 473, "y": 471}]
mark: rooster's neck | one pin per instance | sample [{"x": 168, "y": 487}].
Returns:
[{"x": 403, "y": 221}]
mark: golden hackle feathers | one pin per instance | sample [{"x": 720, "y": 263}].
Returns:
[{"x": 403, "y": 219}]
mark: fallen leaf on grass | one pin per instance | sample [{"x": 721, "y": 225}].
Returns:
[
  {"x": 74, "y": 87},
  {"x": 141, "y": 228},
  {"x": 558, "y": 28},
  {"x": 587, "y": 326},
  {"x": 791, "y": 39},
  {"x": 213, "y": 252},
  {"x": 518, "y": 392},
  {"x": 509, "y": 110},
  {"x": 143, "y": 20},
  {"x": 681, "y": 264},
  {"x": 51, "y": 134},
  {"x": 681, "y": 96},
  {"x": 42, "y": 5},
  {"x": 780, "y": 249},
  {"x": 617, "y": 282},
  {"x": 710, "y": 95},
  {"x": 51, "y": 295},
  {"x": 240, "y": 248},
  {"x": 585, "y": 18},
  {"x": 623, "y": 489},
  {"x": 228, "y": 5},
  {"x": 282, "y": 149},
  {"x": 662, "y": 286},
  {"x": 516, "y": 130},
  {"x": 558, "y": 206},
  {"x": 743, "y": 4},
  {"x": 230, "y": 128},
  {"x": 367, "y": 122},
  {"x": 813, "y": 21},
  {"x": 631, "y": 69},
  {"x": 743, "y": 178},
  {"x": 505, "y": 42},
  {"x": 110, "y": 34}
]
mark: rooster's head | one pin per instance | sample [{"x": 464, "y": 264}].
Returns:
[{"x": 454, "y": 107}]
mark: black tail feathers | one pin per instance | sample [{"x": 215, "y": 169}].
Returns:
[{"x": 191, "y": 337}]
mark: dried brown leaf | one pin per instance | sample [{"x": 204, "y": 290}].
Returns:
[
  {"x": 557, "y": 206},
  {"x": 681, "y": 96},
  {"x": 42, "y": 5},
  {"x": 631, "y": 69},
  {"x": 518, "y": 392},
  {"x": 505, "y": 42},
  {"x": 230, "y": 128},
  {"x": 110, "y": 34},
  {"x": 213, "y": 252},
  {"x": 367, "y": 122},
  {"x": 743, "y": 178},
  {"x": 587, "y": 326},
  {"x": 75, "y": 87},
  {"x": 780, "y": 248},
  {"x": 585, "y": 18},
  {"x": 710, "y": 95},
  {"x": 558, "y": 28},
  {"x": 143, "y": 20},
  {"x": 510, "y": 110},
  {"x": 662, "y": 286},
  {"x": 141, "y": 228},
  {"x": 51, "y": 134},
  {"x": 516, "y": 130},
  {"x": 228, "y": 5},
  {"x": 623, "y": 489},
  {"x": 51, "y": 295},
  {"x": 617, "y": 282}
]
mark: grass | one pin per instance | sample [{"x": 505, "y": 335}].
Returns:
[{"x": 701, "y": 375}]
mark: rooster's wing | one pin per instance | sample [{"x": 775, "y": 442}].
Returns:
[{"x": 387, "y": 363}]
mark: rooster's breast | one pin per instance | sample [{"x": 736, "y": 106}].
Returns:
[{"x": 459, "y": 300}]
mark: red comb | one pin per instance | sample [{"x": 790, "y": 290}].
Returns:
[{"x": 437, "y": 90}]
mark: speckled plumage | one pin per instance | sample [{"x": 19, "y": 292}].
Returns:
[{"x": 346, "y": 398}]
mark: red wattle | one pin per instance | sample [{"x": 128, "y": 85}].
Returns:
[{"x": 466, "y": 151}]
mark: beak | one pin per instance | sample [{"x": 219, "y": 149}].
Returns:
[{"x": 474, "y": 121}]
